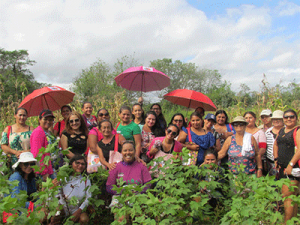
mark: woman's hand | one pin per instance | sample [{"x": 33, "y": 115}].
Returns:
[
  {"x": 138, "y": 159},
  {"x": 259, "y": 173},
  {"x": 288, "y": 170},
  {"x": 111, "y": 166},
  {"x": 193, "y": 147},
  {"x": 55, "y": 182},
  {"x": 76, "y": 215},
  {"x": 18, "y": 153},
  {"x": 147, "y": 145}
]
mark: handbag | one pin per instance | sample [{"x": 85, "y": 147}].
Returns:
[
  {"x": 193, "y": 154},
  {"x": 93, "y": 161},
  {"x": 115, "y": 156}
]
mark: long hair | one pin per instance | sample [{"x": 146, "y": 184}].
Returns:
[
  {"x": 221, "y": 111},
  {"x": 156, "y": 129},
  {"x": 160, "y": 117},
  {"x": 252, "y": 114},
  {"x": 22, "y": 173},
  {"x": 78, "y": 157},
  {"x": 178, "y": 114},
  {"x": 83, "y": 128},
  {"x": 143, "y": 113}
]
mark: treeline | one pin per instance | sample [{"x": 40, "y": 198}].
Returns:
[{"x": 16, "y": 81}]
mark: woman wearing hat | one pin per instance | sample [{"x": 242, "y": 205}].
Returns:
[
  {"x": 242, "y": 149},
  {"x": 25, "y": 175},
  {"x": 41, "y": 137},
  {"x": 271, "y": 134},
  {"x": 209, "y": 122}
]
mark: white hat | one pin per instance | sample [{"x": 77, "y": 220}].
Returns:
[
  {"x": 278, "y": 114},
  {"x": 24, "y": 157},
  {"x": 266, "y": 112}
]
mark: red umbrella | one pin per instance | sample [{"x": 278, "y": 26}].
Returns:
[
  {"x": 52, "y": 98},
  {"x": 190, "y": 99},
  {"x": 142, "y": 79}
]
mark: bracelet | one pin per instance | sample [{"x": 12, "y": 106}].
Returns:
[
  {"x": 275, "y": 159},
  {"x": 259, "y": 169}
]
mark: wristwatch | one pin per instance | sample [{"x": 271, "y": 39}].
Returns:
[{"x": 291, "y": 164}]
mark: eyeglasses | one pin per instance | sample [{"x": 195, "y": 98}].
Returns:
[
  {"x": 173, "y": 133},
  {"x": 264, "y": 117},
  {"x": 178, "y": 121},
  {"x": 291, "y": 117},
  {"x": 29, "y": 164},
  {"x": 79, "y": 163},
  {"x": 238, "y": 124},
  {"x": 74, "y": 121},
  {"x": 103, "y": 114}
]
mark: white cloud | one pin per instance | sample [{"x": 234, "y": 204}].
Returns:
[
  {"x": 67, "y": 36},
  {"x": 287, "y": 8}
]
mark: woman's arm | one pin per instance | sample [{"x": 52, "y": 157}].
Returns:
[
  {"x": 102, "y": 159},
  {"x": 64, "y": 145},
  {"x": 257, "y": 157},
  {"x": 223, "y": 152},
  {"x": 275, "y": 153},
  {"x": 138, "y": 144},
  {"x": 218, "y": 145},
  {"x": 182, "y": 137},
  {"x": 296, "y": 156},
  {"x": 121, "y": 139},
  {"x": 92, "y": 143}
]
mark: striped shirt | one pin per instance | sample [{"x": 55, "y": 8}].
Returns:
[{"x": 270, "y": 142}]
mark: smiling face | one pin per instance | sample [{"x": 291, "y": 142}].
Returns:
[
  {"x": 137, "y": 111},
  {"x": 178, "y": 121},
  {"x": 221, "y": 119},
  {"x": 87, "y": 109},
  {"x": 156, "y": 109},
  {"x": 65, "y": 112},
  {"x": 103, "y": 115},
  {"x": 150, "y": 120},
  {"x": 106, "y": 129},
  {"x": 46, "y": 122},
  {"x": 74, "y": 122},
  {"x": 196, "y": 122},
  {"x": 277, "y": 123},
  {"x": 171, "y": 132},
  {"x": 79, "y": 166},
  {"x": 128, "y": 153},
  {"x": 21, "y": 116},
  {"x": 210, "y": 159},
  {"x": 209, "y": 123},
  {"x": 250, "y": 119},
  {"x": 289, "y": 119},
  {"x": 27, "y": 167},
  {"x": 265, "y": 119},
  {"x": 125, "y": 116}
]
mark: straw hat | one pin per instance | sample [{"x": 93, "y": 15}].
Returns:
[
  {"x": 24, "y": 157},
  {"x": 239, "y": 119},
  {"x": 278, "y": 114}
]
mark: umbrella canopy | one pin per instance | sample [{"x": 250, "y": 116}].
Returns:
[
  {"x": 52, "y": 98},
  {"x": 190, "y": 99},
  {"x": 142, "y": 79}
]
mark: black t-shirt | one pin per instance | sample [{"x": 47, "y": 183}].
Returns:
[
  {"x": 77, "y": 142},
  {"x": 106, "y": 148}
]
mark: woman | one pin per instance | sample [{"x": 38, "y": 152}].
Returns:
[
  {"x": 166, "y": 144},
  {"x": 286, "y": 159},
  {"x": 107, "y": 143},
  {"x": 77, "y": 187},
  {"x": 138, "y": 115},
  {"x": 25, "y": 175},
  {"x": 129, "y": 129},
  {"x": 258, "y": 134},
  {"x": 89, "y": 119},
  {"x": 161, "y": 119},
  {"x": 60, "y": 126},
  {"x": 150, "y": 130},
  {"x": 16, "y": 138},
  {"x": 223, "y": 127},
  {"x": 242, "y": 149},
  {"x": 75, "y": 135},
  {"x": 95, "y": 134},
  {"x": 41, "y": 137},
  {"x": 271, "y": 134},
  {"x": 209, "y": 122},
  {"x": 196, "y": 138},
  {"x": 179, "y": 121},
  {"x": 130, "y": 170}
]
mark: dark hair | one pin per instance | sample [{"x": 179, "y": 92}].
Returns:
[
  {"x": 86, "y": 103},
  {"x": 174, "y": 125},
  {"x": 66, "y": 106},
  {"x": 212, "y": 151},
  {"x": 100, "y": 110},
  {"x": 78, "y": 157},
  {"x": 196, "y": 114},
  {"x": 128, "y": 142},
  {"x": 251, "y": 113},
  {"x": 200, "y": 108},
  {"x": 291, "y": 111},
  {"x": 125, "y": 107},
  {"x": 160, "y": 117},
  {"x": 221, "y": 111},
  {"x": 143, "y": 113},
  {"x": 22, "y": 173},
  {"x": 178, "y": 114},
  {"x": 20, "y": 108},
  {"x": 100, "y": 124},
  {"x": 157, "y": 130},
  {"x": 83, "y": 128}
]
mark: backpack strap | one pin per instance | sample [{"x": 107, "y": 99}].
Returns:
[
  {"x": 294, "y": 136},
  {"x": 59, "y": 128},
  {"x": 230, "y": 127},
  {"x": 189, "y": 134},
  {"x": 118, "y": 125},
  {"x": 116, "y": 143}
]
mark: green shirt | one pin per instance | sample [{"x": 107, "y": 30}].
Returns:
[{"x": 129, "y": 130}]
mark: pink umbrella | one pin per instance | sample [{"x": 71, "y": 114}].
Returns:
[{"x": 142, "y": 79}]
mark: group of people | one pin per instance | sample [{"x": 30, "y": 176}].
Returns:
[{"x": 93, "y": 141}]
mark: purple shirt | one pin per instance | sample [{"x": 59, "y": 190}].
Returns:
[{"x": 134, "y": 173}]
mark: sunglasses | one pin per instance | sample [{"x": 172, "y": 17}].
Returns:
[
  {"x": 74, "y": 121},
  {"x": 29, "y": 164},
  {"x": 103, "y": 114},
  {"x": 173, "y": 133},
  {"x": 79, "y": 163},
  {"x": 178, "y": 121},
  {"x": 291, "y": 117},
  {"x": 239, "y": 124}
]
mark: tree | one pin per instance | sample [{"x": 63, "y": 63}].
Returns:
[{"x": 15, "y": 77}]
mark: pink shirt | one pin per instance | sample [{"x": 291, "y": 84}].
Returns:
[{"x": 177, "y": 146}]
